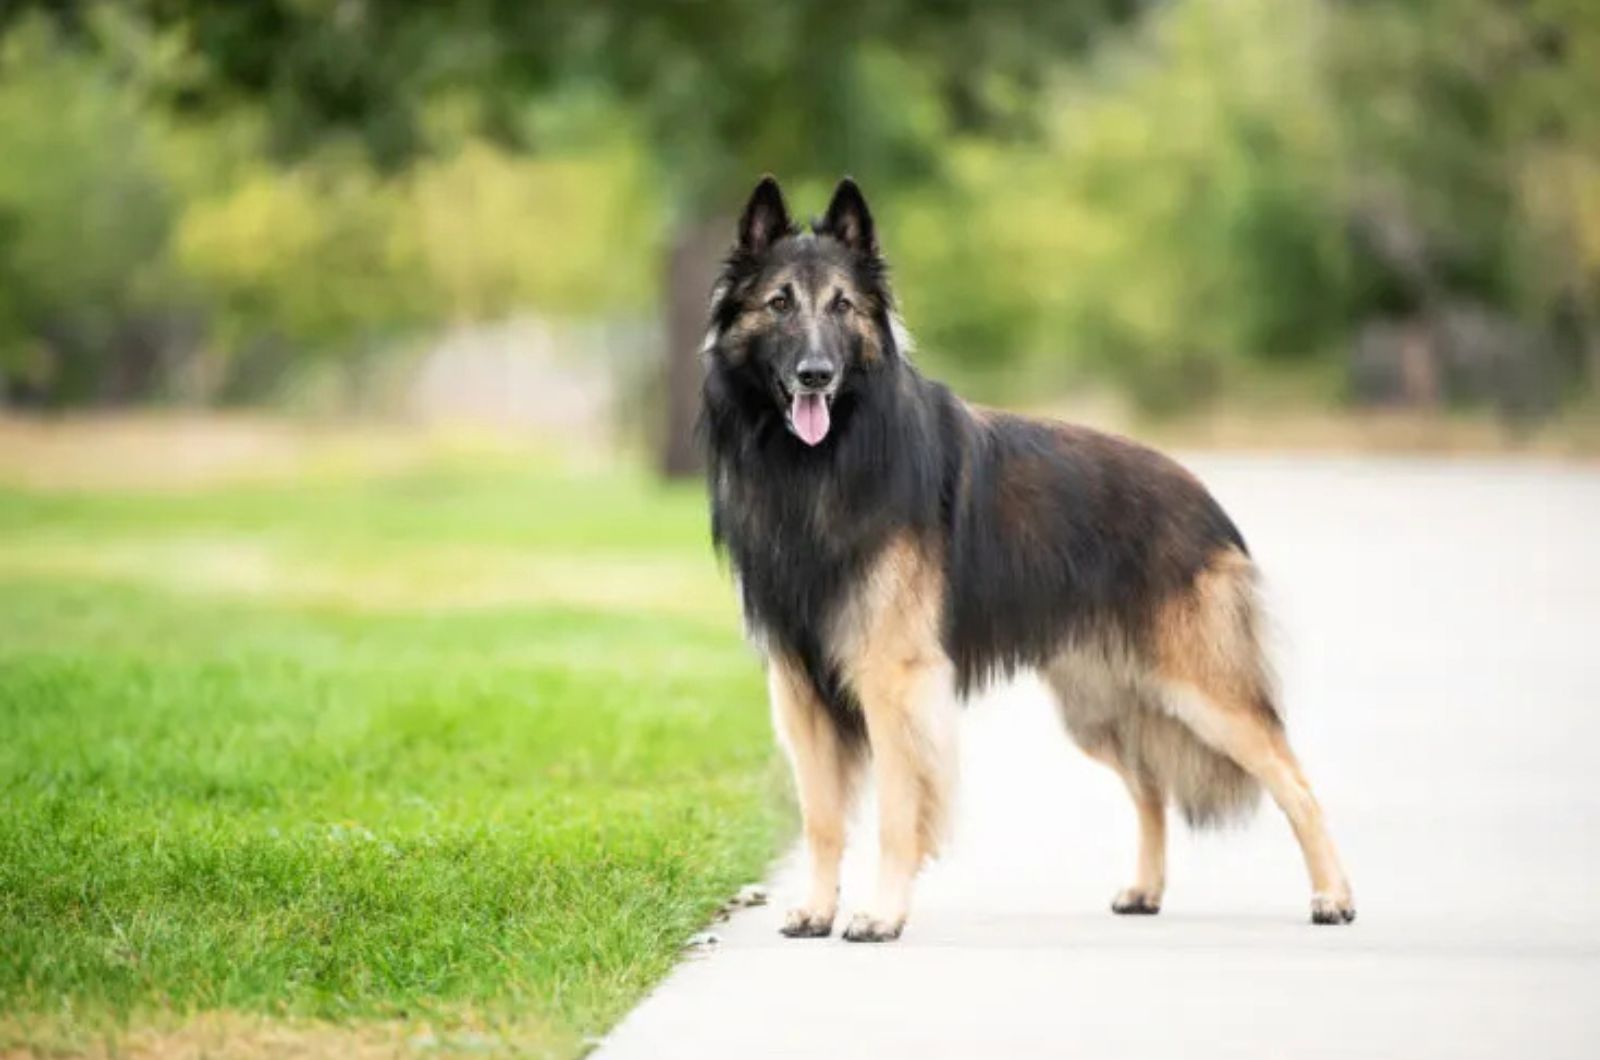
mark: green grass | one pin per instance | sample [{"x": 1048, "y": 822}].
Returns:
[{"x": 370, "y": 751}]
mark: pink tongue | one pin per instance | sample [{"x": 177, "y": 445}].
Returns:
[{"x": 810, "y": 417}]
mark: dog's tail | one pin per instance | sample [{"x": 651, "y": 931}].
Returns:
[
  {"x": 1203, "y": 682},
  {"x": 1207, "y": 787},
  {"x": 1212, "y": 670}
]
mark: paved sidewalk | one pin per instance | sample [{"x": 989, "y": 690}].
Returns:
[{"x": 1442, "y": 670}]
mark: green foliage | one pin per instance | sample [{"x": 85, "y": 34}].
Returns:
[
  {"x": 313, "y": 258},
  {"x": 570, "y": 234},
  {"x": 328, "y": 258},
  {"x": 224, "y": 796},
  {"x": 721, "y": 88},
  {"x": 1218, "y": 190},
  {"x": 1180, "y": 218},
  {"x": 85, "y": 212},
  {"x": 1241, "y": 186},
  {"x": 1478, "y": 129},
  {"x": 141, "y": 255}
]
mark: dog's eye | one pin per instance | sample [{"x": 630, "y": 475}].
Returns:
[
  {"x": 842, "y": 305},
  {"x": 780, "y": 302}
]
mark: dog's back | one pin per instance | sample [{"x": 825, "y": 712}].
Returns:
[{"x": 1109, "y": 568}]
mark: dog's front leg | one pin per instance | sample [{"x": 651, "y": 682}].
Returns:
[
  {"x": 911, "y": 725},
  {"x": 826, "y": 765}
]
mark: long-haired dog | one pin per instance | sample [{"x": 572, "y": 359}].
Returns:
[{"x": 896, "y": 547}]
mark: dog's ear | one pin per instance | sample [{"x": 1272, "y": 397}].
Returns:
[
  {"x": 765, "y": 219},
  {"x": 849, "y": 221}
]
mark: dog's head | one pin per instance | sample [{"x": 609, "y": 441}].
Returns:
[{"x": 803, "y": 319}]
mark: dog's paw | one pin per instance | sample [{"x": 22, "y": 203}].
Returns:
[
  {"x": 805, "y": 924},
  {"x": 1132, "y": 901},
  {"x": 864, "y": 927},
  {"x": 1332, "y": 909}
]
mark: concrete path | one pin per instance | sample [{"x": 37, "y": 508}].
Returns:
[{"x": 1441, "y": 659}]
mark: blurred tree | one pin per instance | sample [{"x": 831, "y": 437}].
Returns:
[
  {"x": 1177, "y": 227},
  {"x": 724, "y": 90},
  {"x": 733, "y": 88},
  {"x": 1232, "y": 185},
  {"x": 1473, "y": 153},
  {"x": 266, "y": 252},
  {"x": 86, "y": 292}
]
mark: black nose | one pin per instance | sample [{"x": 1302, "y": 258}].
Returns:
[{"x": 814, "y": 375}]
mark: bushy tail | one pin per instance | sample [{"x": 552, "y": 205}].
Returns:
[
  {"x": 1208, "y": 788},
  {"x": 1211, "y": 642}
]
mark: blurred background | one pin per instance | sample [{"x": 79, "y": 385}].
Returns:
[{"x": 1282, "y": 212}]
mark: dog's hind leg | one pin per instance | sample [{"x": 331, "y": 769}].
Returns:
[
  {"x": 826, "y": 765},
  {"x": 1105, "y": 716},
  {"x": 1211, "y": 677},
  {"x": 1257, "y": 742},
  {"x": 1149, "y": 878}
]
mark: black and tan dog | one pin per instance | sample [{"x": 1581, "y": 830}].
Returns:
[{"x": 896, "y": 547}]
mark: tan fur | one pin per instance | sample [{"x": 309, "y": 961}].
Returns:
[
  {"x": 1110, "y": 700},
  {"x": 826, "y": 771},
  {"x": 1114, "y": 701},
  {"x": 1226, "y": 716},
  {"x": 1260, "y": 747},
  {"x": 871, "y": 344},
  {"x": 888, "y": 645},
  {"x": 1150, "y": 871},
  {"x": 1191, "y": 719},
  {"x": 739, "y": 333},
  {"x": 814, "y": 294},
  {"x": 790, "y": 278},
  {"x": 1209, "y": 637},
  {"x": 1214, "y": 680}
]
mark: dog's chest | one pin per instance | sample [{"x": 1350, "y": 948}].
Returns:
[{"x": 799, "y": 553}]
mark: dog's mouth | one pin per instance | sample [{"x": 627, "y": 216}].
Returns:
[{"x": 809, "y": 415}]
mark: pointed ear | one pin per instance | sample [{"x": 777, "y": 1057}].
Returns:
[
  {"x": 849, "y": 221},
  {"x": 765, "y": 219}
]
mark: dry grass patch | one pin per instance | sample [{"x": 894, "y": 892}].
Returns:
[
  {"x": 246, "y": 1036},
  {"x": 170, "y": 452}
]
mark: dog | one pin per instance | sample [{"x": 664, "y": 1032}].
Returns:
[{"x": 896, "y": 548}]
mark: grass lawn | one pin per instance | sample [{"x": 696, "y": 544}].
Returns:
[{"x": 448, "y": 758}]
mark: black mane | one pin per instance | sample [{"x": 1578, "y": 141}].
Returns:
[{"x": 800, "y": 524}]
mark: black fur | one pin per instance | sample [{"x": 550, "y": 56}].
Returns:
[{"x": 1046, "y": 532}]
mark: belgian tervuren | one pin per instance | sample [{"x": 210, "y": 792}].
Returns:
[{"x": 896, "y": 547}]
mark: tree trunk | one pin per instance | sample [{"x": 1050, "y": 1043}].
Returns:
[{"x": 691, "y": 268}]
